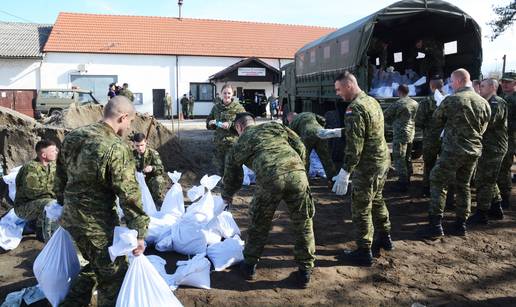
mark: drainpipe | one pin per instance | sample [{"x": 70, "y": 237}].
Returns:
[{"x": 177, "y": 93}]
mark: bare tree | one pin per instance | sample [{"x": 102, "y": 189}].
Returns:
[{"x": 505, "y": 17}]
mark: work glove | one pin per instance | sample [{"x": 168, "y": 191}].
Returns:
[
  {"x": 340, "y": 187},
  {"x": 329, "y": 133}
]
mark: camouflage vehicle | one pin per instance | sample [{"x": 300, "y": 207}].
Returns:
[
  {"x": 308, "y": 82},
  {"x": 54, "y": 101}
]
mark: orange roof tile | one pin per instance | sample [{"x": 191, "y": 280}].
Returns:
[{"x": 92, "y": 33}]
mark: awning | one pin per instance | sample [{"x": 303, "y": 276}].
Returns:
[{"x": 248, "y": 70}]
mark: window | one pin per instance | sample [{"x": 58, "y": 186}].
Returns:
[
  {"x": 450, "y": 48},
  {"x": 327, "y": 52},
  {"x": 57, "y": 94},
  {"x": 138, "y": 98},
  {"x": 312, "y": 56},
  {"x": 84, "y": 98},
  {"x": 202, "y": 91},
  {"x": 398, "y": 57},
  {"x": 98, "y": 84},
  {"x": 344, "y": 47}
]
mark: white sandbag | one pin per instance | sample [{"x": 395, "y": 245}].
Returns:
[
  {"x": 174, "y": 202},
  {"x": 420, "y": 81},
  {"x": 125, "y": 240},
  {"x": 195, "y": 192},
  {"x": 211, "y": 236},
  {"x": 10, "y": 180},
  {"x": 148, "y": 203},
  {"x": 249, "y": 176},
  {"x": 224, "y": 224},
  {"x": 316, "y": 167},
  {"x": 412, "y": 90},
  {"x": 165, "y": 243},
  {"x": 203, "y": 210},
  {"x": 438, "y": 97},
  {"x": 188, "y": 238},
  {"x": 56, "y": 266},
  {"x": 226, "y": 253},
  {"x": 54, "y": 211},
  {"x": 159, "y": 225},
  {"x": 11, "y": 230},
  {"x": 194, "y": 273},
  {"x": 143, "y": 286},
  {"x": 159, "y": 264}
]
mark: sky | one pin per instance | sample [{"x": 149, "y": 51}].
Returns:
[{"x": 330, "y": 13}]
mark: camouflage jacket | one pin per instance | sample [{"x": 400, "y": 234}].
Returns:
[
  {"x": 423, "y": 118},
  {"x": 184, "y": 101},
  {"x": 35, "y": 181},
  {"x": 464, "y": 117},
  {"x": 511, "y": 105},
  {"x": 366, "y": 149},
  {"x": 307, "y": 124},
  {"x": 150, "y": 157},
  {"x": 494, "y": 139},
  {"x": 270, "y": 149},
  {"x": 223, "y": 113},
  {"x": 94, "y": 166},
  {"x": 401, "y": 115},
  {"x": 127, "y": 93}
]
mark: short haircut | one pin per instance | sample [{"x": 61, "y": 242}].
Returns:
[
  {"x": 346, "y": 76},
  {"x": 403, "y": 89},
  {"x": 118, "y": 105},
  {"x": 244, "y": 119},
  {"x": 437, "y": 83},
  {"x": 44, "y": 144},
  {"x": 138, "y": 137},
  {"x": 227, "y": 85},
  {"x": 491, "y": 82},
  {"x": 125, "y": 85},
  {"x": 462, "y": 74}
]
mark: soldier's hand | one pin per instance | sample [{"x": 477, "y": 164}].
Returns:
[
  {"x": 212, "y": 122},
  {"x": 225, "y": 125},
  {"x": 147, "y": 169},
  {"x": 140, "y": 248}
]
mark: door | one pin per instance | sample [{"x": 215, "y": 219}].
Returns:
[{"x": 158, "y": 103}]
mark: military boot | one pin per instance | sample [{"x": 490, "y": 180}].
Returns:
[
  {"x": 496, "y": 211},
  {"x": 479, "y": 218},
  {"x": 303, "y": 277},
  {"x": 248, "y": 271},
  {"x": 506, "y": 201},
  {"x": 358, "y": 257},
  {"x": 459, "y": 228},
  {"x": 382, "y": 240},
  {"x": 434, "y": 229}
]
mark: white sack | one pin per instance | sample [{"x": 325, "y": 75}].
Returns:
[
  {"x": 56, "y": 266},
  {"x": 188, "y": 238},
  {"x": 148, "y": 203},
  {"x": 316, "y": 167},
  {"x": 226, "y": 253},
  {"x": 194, "y": 273},
  {"x": 10, "y": 180},
  {"x": 438, "y": 97},
  {"x": 224, "y": 224},
  {"x": 211, "y": 237},
  {"x": 144, "y": 287},
  {"x": 249, "y": 176},
  {"x": 159, "y": 264},
  {"x": 174, "y": 202},
  {"x": 125, "y": 240},
  {"x": 195, "y": 192},
  {"x": 119, "y": 210},
  {"x": 11, "y": 230},
  {"x": 54, "y": 211},
  {"x": 159, "y": 225}
]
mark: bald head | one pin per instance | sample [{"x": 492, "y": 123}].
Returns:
[
  {"x": 460, "y": 78},
  {"x": 117, "y": 106},
  {"x": 346, "y": 86}
]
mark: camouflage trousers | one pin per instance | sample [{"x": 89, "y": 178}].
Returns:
[
  {"x": 452, "y": 169},
  {"x": 156, "y": 185},
  {"x": 219, "y": 157},
  {"x": 190, "y": 109},
  {"x": 102, "y": 274},
  {"x": 35, "y": 210},
  {"x": 504, "y": 179},
  {"x": 488, "y": 168},
  {"x": 184, "y": 110},
  {"x": 322, "y": 150},
  {"x": 368, "y": 210},
  {"x": 292, "y": 188},
  {"x": 402, "y": 160}
]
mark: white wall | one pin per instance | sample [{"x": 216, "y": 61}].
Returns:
[{"x": 19, "y": 74}]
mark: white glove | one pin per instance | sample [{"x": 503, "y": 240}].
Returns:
[
  {"x": 329, "y": 133},
  {"x": 340, "y": 187}
]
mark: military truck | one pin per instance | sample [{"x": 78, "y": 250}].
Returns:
[
  {"x": 54, "y": 101},
  {"x": 308, "y": 83}
]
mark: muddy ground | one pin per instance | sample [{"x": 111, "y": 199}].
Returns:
[{"x": 479, "y": 270}]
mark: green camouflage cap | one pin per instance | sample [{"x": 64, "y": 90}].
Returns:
[{"x": 509, "y": 76}]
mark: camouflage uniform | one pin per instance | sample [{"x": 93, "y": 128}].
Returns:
[
  {"x": 276, "y": 154},
  {"x": 191, "y": 102},
  {"x": 464, "y": 117},
  {"x": 154, "y": 180},
  {"x": 494, "y": 147},
  {"x": 223, "y": 139},
  {"x": 401, "y": 115},
  {"x": 431, "y": 140},
  {"x": 184, "y": 107},
  {"x": 127, "y": 93},
  {"x": 306, "y": 125},
  {"x": 93, "y": 167},
  {"x": 366, "y": 157},
  {"x": 34, "y": 190},
  {"x": 504, "y": 177},
  {"x": 433, "y": 63}
]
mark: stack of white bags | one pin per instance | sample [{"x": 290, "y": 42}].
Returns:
[{"x": 11, "y": 226}]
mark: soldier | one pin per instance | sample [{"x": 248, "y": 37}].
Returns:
[
  {"x": 221, "y": 120},
  {"x": 168, "y": 105},
  {"x": 125, "y": 91},
  {"x": 149, "y": 163},
  {"x": 366, "y": 157},
  {"x": 191, "y": 102},
  {"x": 401, "y": 116},
  {"x": 494, "y": 147},
  {"x": 433, "y": 62},
  {"x": 94, "y": 166},
  {"x": 464, "y": 117},
  {"x": 276, "y": 154},
  {"x": 307, "y": 125},
  {"x": 504, "y": 178},
  {"x": 217, "y": 99},
  {"x": 34, "y": 189},
  {"x": 184, "y": 106}
]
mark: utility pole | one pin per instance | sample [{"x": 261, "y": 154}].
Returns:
[
  {"x": 504, "y": 58},
  {"x": 180, "y": 4}
]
